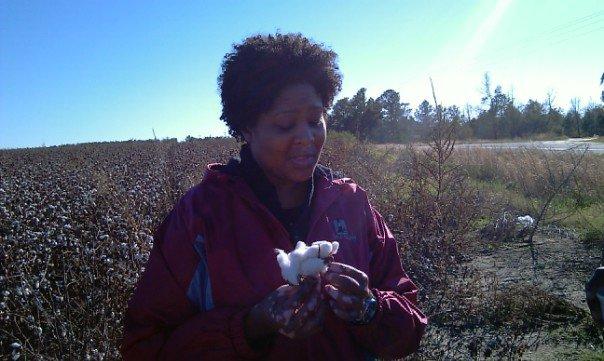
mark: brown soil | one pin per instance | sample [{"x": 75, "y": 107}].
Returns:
[{"x": 563, "y": 266}]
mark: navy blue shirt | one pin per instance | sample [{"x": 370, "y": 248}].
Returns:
[{"x": 294, "y": 220}]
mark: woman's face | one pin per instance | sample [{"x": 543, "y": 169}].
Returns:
[{"x": 287, "y": 140}]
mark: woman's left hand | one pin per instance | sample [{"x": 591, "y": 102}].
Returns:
[{"x": 347, "y": 288}]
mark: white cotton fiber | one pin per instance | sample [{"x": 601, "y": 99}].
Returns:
[
  {"x": 326, "y": 248},
  {"x": 305, "y": 260},
  {"x": 312, "y": 266},
  {"x": 288, "y": 272},
  {"x": 526, "y": 221}
]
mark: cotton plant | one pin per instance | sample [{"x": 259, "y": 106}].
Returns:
[
  {"x": 526, "y": 221},
  {"x": 305, "y": 260}
]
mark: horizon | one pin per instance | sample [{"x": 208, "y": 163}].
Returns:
[{"x": 106, "y": 72}]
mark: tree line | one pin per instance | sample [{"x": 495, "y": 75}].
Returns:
[{"x": 388, "y": 119}]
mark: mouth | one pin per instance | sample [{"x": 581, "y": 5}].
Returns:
[{"x": 304, "y": 160}]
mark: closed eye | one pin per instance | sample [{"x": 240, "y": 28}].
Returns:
[{"x": 285, "y": 128}]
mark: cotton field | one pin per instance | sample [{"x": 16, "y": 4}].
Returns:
[{"x": 76, "y": 228}]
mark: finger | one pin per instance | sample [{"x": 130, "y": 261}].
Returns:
[
  {"x": 287, "y": 299},
  {"x": 344, "y": 315},
  {"x": 358, "y": 275},
  {"x": 311, "y": 303},
  {"x": 346, "y": 284},
  {"x": 343, "y": 300},
  {"x": 353, "y": 308},
  {"x": 291, "y": 301},
  {"x": 285, "y": 290},
  {"x": 280, "y": 317},
  {"x": 299, "y": 317},
  {"x": 311, "y": 327},
  {"x": 314, "y": 324},
  {"x": 307, "y": 285},
  {"x": 305, "y": 307},
  {"x": 305, "y": 289},
  {"x": 311, "y": 288}
]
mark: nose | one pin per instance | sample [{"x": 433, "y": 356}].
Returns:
[{"x": 305, "y": 135}]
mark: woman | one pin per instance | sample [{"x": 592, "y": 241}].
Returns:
[{"x": 212, "y": 288}]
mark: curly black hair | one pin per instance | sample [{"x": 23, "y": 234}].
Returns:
[{"x": 260, "y": 67}]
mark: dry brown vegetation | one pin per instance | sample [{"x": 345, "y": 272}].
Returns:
[{"x": 76, "y": 225}]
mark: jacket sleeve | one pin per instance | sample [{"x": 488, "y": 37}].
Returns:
[
  {"x": 398, "y": 325},
  {"x": 161, "y": 322}
]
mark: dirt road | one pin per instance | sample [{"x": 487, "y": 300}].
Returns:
[{"x": 578, "y": 143}]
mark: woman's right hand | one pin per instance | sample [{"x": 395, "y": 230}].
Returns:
[{"x": 294, "y": 311}]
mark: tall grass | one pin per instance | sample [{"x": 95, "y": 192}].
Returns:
[{"x": 518, "y": 180}]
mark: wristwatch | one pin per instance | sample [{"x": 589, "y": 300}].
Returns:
[{"x": 369, "y": 308}]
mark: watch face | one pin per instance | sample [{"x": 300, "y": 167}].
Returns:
[{"x": 369, "y": 308}]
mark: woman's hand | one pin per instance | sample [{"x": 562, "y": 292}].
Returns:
[
  {"x": 294, "y": 311},
  {"x": 347, "y": 288}
]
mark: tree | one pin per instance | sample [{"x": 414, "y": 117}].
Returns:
[
  {"x": 571, "y": 123},
  {"x": 395, "y": 125},
  {"x": 572, "y": 120},
  {"x": 369, "y": 119},
  {"x": 338, "y": 117},
  {"x": 356, "y": 115},
  {"x": 357, "y": 108},
  {"x": 593, "y": 120},
  {"x": 497, "y": 111},
  {"x": 425, "y": 117},
  {"x": 602, "y": 83},
  {"x": 535, "y": 117},
  {"x": 555, "y": 119},
  {"x": 494, "y": 123},
  {"x": 486, "y": 89}
]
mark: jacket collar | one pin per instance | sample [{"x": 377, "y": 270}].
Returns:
[
  {"x": 247, "y": 168},
  {"x": 325, "y": 189}
]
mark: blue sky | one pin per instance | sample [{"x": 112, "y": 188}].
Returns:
[{"x": 84, "y": 71}]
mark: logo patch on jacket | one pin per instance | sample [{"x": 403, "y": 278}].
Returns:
[{"x": 340, "y": 229}]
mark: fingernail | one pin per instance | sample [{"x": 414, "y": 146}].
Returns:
[
  {"x": 331, "y": 290},
  {"x": 335, "y": 266}
]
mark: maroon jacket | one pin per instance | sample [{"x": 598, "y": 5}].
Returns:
[{"x": 213, "y": 259}]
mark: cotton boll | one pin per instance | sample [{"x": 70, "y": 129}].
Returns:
[
  {"x": 313, "y": 251},
  {"x": 335, "y": 247},
  {"x": 282, "y": 259},
  {"x": 290, "y": 263},
  {"x": 305, "y": 260},
  {"x": 299, "y": 252},
  {"x": 289, "y": 273},
  {"x": 324, "y": 248},
  {"x": 526, "y": 221},
  {"x": 312, "y": 267}
]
